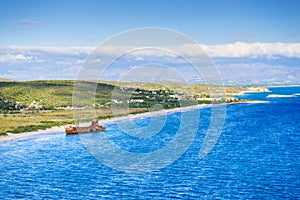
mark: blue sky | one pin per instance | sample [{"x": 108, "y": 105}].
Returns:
[
  {"x": 251, "y": 41},
  {"x": 82, "y": 23}
]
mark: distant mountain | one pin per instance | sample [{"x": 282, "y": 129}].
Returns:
[{"x": 5, "y": 80}]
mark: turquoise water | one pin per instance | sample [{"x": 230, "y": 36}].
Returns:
[{"x": 256, "y": 157}]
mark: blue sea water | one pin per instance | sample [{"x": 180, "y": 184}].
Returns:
[{"x": 256, "y": 157}]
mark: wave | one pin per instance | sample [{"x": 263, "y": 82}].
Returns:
[
  {"x": 258, "y": 101},
  {"x": 281, "y": 95},
  {"x": 282, "y": 86}
]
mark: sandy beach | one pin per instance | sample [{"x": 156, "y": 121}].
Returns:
[{"x": 12, "y": 136}]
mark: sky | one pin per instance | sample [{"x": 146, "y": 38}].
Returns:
[
  {"x": 54, "y": 37},
  {"x": 82, "y": 23}
]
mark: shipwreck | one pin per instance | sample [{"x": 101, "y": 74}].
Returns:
[{"x": 94, "y": 127}]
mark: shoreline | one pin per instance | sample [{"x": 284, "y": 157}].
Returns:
[
  {"x": 155, "y": 113},
  {"x": 15, "y": 136}
]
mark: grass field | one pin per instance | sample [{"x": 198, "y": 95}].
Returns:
[{"x": 40, "y": 120}]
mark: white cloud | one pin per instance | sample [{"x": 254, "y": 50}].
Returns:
[
  {"x": 42, "y": 73},
  {"x": 18, "y": 58},
  {"x": 90, "y": 39},
  {"x": 139, "y": 58},
  {"x": 64, "y": 62},
  {"x": 238, "y": 49},
  {"x": 28, "y": 21}
]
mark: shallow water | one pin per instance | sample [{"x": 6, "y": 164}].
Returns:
[{"x": 256, "y": 156}]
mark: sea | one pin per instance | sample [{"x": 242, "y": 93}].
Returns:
[{"x": 256, "y": 156}]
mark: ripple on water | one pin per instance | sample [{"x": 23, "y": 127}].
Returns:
[{"x": 256, "y": 157}]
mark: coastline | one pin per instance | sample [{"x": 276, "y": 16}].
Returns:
[
  {"x": 15, "y": 136},
  {"x": 55, "y": 129}
]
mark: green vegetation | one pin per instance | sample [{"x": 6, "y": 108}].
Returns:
[
  {"x": 34, "y": 120},
  {"x": 42, "y": 126},
  {"x": 37, "y": 94},
  {"x": 32, "y": 105}
]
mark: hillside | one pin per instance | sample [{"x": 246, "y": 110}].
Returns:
[
  {"x": 51, "y": 95},
  {"x": 32, "y": 105},
  {"x": 45, "y": 95}
]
